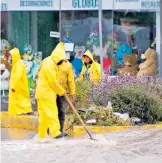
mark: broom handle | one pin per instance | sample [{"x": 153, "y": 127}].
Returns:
[
  {"x": 80, "y": 119},
  {"x": 75, "y": 111}
]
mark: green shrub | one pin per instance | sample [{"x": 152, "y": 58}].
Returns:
[
  {"x": 104, "y": 117},
  {"x": 138, "y": 103},
  {"x": 82, "y": 94},
  {"x": 140, "y": 98}
]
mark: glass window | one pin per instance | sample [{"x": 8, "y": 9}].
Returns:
[
  {"x": 46, "y": 22},
  {"x": 26, "y": 27},
  {"x": 19, "y": 28},
  {"x": 4, "y": 25},
  {"x": 29, "y": 31},
  {"x": 107, "y": 39},
  {"x": 133, "y": 32},
  {"x": 82, "y": 29},
  {"x": 124, "y": 32}
]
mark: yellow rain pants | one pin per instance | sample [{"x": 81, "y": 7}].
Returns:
[
  {"x": 48, "y": 121},
  {"x": 48, "y": 87},
  {"x": 19, "y": 100}
]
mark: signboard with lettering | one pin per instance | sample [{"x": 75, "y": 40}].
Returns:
[
  {"x": 126, "y": 4},
  {"x": 4, "y": 5},
  {"x": 150, "y": 4},
  {"x": 54, "y": 34},
  {"x": 85, "y": 4},
  {"x": 29, "y": 5},
  {"x": 53, "y": 5},
  {"x": 137, "y": 4}
]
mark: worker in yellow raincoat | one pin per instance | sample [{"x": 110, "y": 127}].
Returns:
[
  {"x": 19, "y": 99},
  {"x": 91, "y": 70},
  {"x": 48, "y": 87},
  {"x": 66, "y": 78}
]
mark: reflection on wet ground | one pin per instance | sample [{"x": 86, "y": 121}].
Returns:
[
  {"x": 16, "y": 134},
  {"x": 131, "y": 146}
]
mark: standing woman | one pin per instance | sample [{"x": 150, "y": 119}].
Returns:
[{"x": 91, "y": 70}]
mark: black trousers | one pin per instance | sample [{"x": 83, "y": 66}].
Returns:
[{"x": 61, "y": 104}]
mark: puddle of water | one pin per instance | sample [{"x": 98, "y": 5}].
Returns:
[
  {"x": 120, "y": 147},
  {"x": 20, "y": 138},
  {"x": 16, "y": 134}
]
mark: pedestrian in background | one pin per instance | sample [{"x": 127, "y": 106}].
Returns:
[
  {"x": 91, "y": 70},
  {"x": 19, "y": 98}
]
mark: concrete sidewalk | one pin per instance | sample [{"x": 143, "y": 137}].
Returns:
[{"x": 31, "y": 123}]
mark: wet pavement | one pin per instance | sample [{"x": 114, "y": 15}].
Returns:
[
  {"x": 16, "y": 134},
  {"x": 4, "y": 103},
  {"x": 131, "y": 146}
]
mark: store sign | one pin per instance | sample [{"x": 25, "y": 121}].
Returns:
[
  {"x": 4, "y": 5},
  {"x": 29, "y": 5},
  {"x": 38, "y": 3},
  {"x": 55, "y": 34},
  {"x": 85, "y": 4},
  {"x": 126, "y": 1},
  {"x": 53, "y": 5},
  {"x": 126, "y": 4},
  {"x": 137, "y": 4},
  {"x": 150, "y": 4}
]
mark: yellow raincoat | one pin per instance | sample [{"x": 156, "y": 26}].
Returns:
[
  {"x": 19, "y": 101},
  {"x": 48, "y": 87},
  {"x": 66, "y": 76},
  {"x": 94, "y": 70}
]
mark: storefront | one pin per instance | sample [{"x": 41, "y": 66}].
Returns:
[{"x": 132, "y": 25}]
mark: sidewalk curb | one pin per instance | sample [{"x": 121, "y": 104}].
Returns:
[
  {"x": 22, "y": 122},
  {"x": 31, "y": 123},
  {"x": 79, "y": 130}
]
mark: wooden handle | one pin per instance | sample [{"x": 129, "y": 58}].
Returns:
[
  {"x": 75, "y": 111},
  {"x": 80, "y": 119}
]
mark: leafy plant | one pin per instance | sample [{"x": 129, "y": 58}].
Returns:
[
  {"x": 140, "y": 97},
  {"x": 33, "y": 100},
  {"x": 104, "y": 117},
  {"x": 82, "y": 93}
]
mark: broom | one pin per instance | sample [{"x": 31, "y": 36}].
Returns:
[{"x": 80, "y": 119}]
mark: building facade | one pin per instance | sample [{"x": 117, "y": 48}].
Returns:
[{"x": 132, "y": 25}]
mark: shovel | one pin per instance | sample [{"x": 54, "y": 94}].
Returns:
[{"x": 80, "y": 119}]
